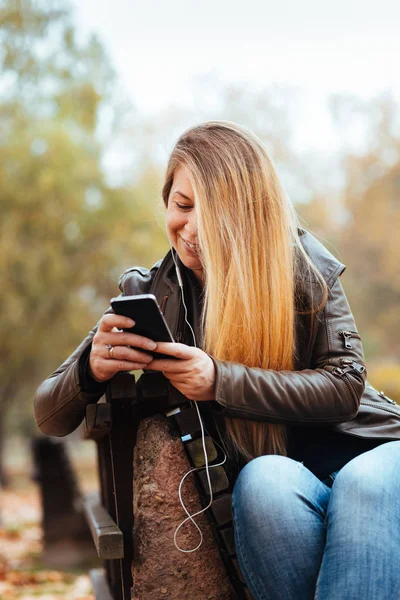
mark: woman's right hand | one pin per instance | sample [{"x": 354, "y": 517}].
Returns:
[{"x": 123, "y": 357}]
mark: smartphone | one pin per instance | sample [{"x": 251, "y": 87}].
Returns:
[{"x": 149, "y": 320}]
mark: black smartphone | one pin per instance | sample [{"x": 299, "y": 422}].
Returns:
[{"x": 149, "y": 320}]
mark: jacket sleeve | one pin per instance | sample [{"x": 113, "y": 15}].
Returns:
[
  {"x": 60, "y": 401},
  {"x": 328, "y": 392}
]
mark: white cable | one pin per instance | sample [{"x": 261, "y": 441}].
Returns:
[
  {"x": 189, "y": 516},
  {"x": 186, "y": 319},
  {"x": 180, "y": 282},
  {"x": 206, "y": 466}
]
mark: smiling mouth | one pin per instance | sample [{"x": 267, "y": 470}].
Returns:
[{"x": 192, "y": 247}]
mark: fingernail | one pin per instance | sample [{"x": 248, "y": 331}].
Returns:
[
  {"x": 131, "y": 322},
  {"x": 152, "y": 346}
]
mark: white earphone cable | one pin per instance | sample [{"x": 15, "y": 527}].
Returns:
[
  {"x": 207, "y": 468},
  {"x": 206, "y": 465}
]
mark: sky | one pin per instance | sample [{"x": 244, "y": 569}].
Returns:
[
  {"x": 348, "y": 45},
  {"x": 159, "y": 47}
]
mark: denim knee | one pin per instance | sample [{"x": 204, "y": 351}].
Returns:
[
  {"x": 371, "y": 474},
  {"x": 278, "y": 510},
  {"x": 266, "y": 478}
]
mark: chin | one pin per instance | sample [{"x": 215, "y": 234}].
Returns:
[{"x": 190, "y": 262}]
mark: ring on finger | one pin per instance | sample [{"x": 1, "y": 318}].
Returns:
[{"x": 110, "y": 350}]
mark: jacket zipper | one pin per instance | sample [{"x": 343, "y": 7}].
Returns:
[
  {"x": 163, "y": 304},
  {"x": 379, "y": 404},
  {"x": 379, "y": 407},
  {"x": 347, "y": 365},
  {"x": 179, "y": 329},
  {"x": 382, "y": 395},
  {"x": 347, "y": 335}
]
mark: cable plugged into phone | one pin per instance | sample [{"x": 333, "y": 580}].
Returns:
[{"x": 207, "y": 467}]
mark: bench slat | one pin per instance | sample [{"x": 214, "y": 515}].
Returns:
[
  {"x": 107, "y": 537},
  {"x": 100, "y": 586}
]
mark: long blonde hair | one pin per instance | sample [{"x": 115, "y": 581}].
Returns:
[{"x": 250, "y": 249}]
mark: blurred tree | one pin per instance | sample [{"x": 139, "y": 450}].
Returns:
[
  {"x": 386, "y": 377},
  {"x": 65, "y": 232},
  {"x": 368, "y": 239}
]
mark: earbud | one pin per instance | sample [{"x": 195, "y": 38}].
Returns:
[
  {"x": 177, "y": 270},
  {"x": 179, "y": 276}
]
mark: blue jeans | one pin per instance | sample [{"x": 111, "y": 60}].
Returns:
[{"x": 298, "y": 539}]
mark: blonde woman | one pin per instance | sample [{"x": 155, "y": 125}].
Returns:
[{"x": 280, "y": 364}]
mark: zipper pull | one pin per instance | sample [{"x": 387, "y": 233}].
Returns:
[
  {"x": 347, "y": 361},
  {"x": 347, "y": 365},
  {"x": 346, "y": 336},
  {"x": 355, "y": 365},
  {"x": 382, "y": 395},
  {"x": 338, "y": 371},
  {"x": 163, "y": 304}
]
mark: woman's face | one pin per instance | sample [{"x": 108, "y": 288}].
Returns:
[{"x": 181, "y": 221}]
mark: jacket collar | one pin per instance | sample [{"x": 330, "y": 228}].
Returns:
[{"x": 329, "y": 266}]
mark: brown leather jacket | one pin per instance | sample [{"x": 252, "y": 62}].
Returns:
[{"x": 327, "y": 387}]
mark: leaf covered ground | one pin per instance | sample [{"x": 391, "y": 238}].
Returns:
[{"x": 22, "y": 574}]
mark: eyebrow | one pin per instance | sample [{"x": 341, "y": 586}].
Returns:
[{"x": 183, "y": 195}]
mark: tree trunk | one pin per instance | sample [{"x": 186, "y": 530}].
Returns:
[
  {"x": 4, "y": 405},
  {"x": 160, "y": 570},
  {"x": 66, "y": 536}
]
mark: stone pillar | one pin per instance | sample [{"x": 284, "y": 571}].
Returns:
[{"x": 160, "y": 570}]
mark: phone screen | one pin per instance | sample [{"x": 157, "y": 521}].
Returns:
[{"x": 149, "y": 320}]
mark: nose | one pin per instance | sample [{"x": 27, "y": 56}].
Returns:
[{"x": 191, "y": 224}]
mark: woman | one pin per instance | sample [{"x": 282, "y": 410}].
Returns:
[{"x": 317, "y": 504}]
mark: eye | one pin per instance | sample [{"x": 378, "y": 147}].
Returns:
[{"x": 183, "y": 206}]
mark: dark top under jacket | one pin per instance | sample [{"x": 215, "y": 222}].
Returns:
[{"x": 323, "y": 450}]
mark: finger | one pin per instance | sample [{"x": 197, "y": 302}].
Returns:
[
  {"x": 175, "y": 349},
  {"x": 109, "y": 368},
  {"x": 122, "y": 338},
  {"x": 111, "y": 320},
  {"x": 170, "y": 366},
  {"x": 126, "y": 353},
  {"x": 123, "y": 365}
]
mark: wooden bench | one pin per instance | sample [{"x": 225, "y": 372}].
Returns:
[{"x": 131, "y": 415}]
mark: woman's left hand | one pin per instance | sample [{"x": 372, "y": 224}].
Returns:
[{"x": 193, "y": 374}]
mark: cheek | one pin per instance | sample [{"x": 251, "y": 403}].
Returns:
[{"x": 173, "y": 223}]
